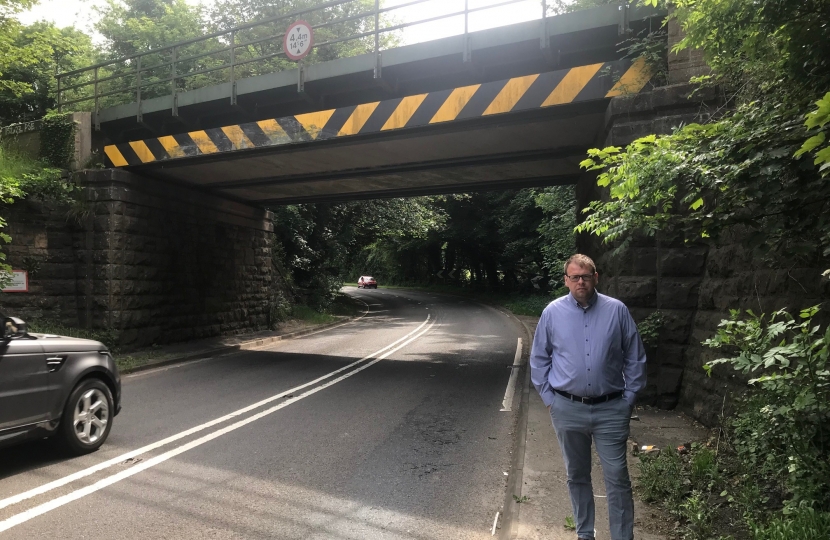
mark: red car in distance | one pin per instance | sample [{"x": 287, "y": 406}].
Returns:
[{"x": 367, "y": 282}]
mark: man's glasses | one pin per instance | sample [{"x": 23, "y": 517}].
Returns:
[{"x": 575, "y": 279}]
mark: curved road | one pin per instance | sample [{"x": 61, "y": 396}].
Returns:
[{"x": 387, "y": 427}]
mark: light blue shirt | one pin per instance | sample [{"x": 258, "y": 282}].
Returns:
[{"x": 587, "y": 352}]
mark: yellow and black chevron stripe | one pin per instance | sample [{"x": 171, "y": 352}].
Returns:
[{"x": 585, "y": 83}]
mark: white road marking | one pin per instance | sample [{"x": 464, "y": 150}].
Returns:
[
  {"x": 511, "y": 383},
  {"x": 101, "y": 484},
  {"x": 14, "y": 499}
]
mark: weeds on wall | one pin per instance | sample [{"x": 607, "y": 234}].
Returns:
[
  {"x": 57, "y": 140},
  {"x": 108, "y": 337},
  {"x": 20, "y": 177},
  {"x": 650, "y": 328}
]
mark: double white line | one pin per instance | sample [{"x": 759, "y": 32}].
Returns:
[{"x": 101, "y": 484}]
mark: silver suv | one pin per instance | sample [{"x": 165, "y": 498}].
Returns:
[{"x": 56, "y": 386}]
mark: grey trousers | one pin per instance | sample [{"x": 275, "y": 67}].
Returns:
[{"x": 576, "y": 424}]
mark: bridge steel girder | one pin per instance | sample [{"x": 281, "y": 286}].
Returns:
[{"x": 258, "y": 161}]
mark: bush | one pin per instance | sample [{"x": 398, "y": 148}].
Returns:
[
  {"x": 662, "y": 479},
  {"x": 781, "y": 432},
  {"x": 805, "y": 523}
]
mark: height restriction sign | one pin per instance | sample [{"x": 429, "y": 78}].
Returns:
[{"x": 299, "y": 38}]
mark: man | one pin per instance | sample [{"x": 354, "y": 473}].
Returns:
[{"x": 588, "y": 363}]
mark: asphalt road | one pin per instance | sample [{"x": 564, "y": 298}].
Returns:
[{"x": 406, "y": 441}]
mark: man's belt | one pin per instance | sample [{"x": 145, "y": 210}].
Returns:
[{"x": 590, "y": 400}]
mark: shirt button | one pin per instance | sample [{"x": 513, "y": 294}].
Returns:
[{"x": 589, "y": 369}]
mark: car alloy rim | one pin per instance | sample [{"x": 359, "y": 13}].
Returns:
[{"x": 91, "y": 416}]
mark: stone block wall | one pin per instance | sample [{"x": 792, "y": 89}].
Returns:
[
  {"x": 735, "y": 279},
  {"x": 694, "y": 287},
  {"x": 154, "y": 261},
  {"x": 685, "y": 64},
  {"x": 45, "y": 243},
  {"x": 657, "y": 273}
]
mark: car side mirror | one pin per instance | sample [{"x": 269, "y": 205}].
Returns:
[{"x": 14, "y": 327}]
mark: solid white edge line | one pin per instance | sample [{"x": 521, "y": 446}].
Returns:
[
  {"x": 101, "y": 484},
  {"x": 495, "y": 522},
  {"x": 507, "y": 404},
  {"x": 14, "y": 499}
]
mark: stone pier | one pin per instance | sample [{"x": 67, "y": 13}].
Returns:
[{"x": 153, "y": 262}]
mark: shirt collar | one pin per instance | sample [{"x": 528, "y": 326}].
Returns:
[{"x": 591, "y": 301}]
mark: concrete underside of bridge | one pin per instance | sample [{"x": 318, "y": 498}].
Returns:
[{"x": 536, "y": 148}]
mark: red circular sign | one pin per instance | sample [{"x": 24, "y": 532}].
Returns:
[{"x": 298, "y": 40}]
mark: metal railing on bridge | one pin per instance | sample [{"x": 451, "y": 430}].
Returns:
[{"x": 343, "y": 28}]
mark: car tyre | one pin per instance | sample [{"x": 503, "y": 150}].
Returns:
[{"x": 87, "y": 417}]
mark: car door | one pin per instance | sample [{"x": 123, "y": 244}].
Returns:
[{"x": 24, "y": 382}]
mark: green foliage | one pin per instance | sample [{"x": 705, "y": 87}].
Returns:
[
  {"x": 484, "y": 241},
  {"x": 279, "y": 310},
  {"x": 569, "y": 523},
  {"x": 697, "y": 512},
  {"x": 108, "y": 337},
  {"x": 319, "y": 241},
  {"x": 20, "y": 177},
  {"x": 27, "y": 83},
  {"x": 529, "y": 305},
  {"x": 652, "y": 47},
  {"x": 11, "y": 53},
  {"x": 760, "y": 47},
  {"x": 661, "y": 478},
  {"x": 311, "y": 315},
  {"x": 705, "y": 179},
  {"x": 57, "y": 140},
  {"x": 650, "y": 327},
  {"x": 769, "y": 56},
  {"x": 783, "y": 431},
  {"x": 138, "y": 26},
  {"x": 817, "y": 121},
  {"x": 703, "y": 467},
  {"x": 804, "y": 523},
  {"x": 556, "y": 229}
]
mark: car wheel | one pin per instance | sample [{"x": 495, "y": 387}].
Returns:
[{"x": 87, "y": 417}]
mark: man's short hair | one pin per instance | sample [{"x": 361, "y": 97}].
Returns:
[{"x": 581, "y": 260}]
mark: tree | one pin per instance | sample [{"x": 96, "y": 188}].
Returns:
[
  {"x": 10, "y": 53},
  {"x": 320, "y": 242},
  {"x": 334, "y": 23},
  {"x": 130, "y": 27},
  {"x": 28, "y": 86},
  {"x": 556, "y": 230},
  {"x": 744, "y": 170}
]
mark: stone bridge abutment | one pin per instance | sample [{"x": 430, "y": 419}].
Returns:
[{"x": 152, "y": 262}]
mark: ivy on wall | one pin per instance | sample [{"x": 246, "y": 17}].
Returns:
[{"x": 57, "y": 140}]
